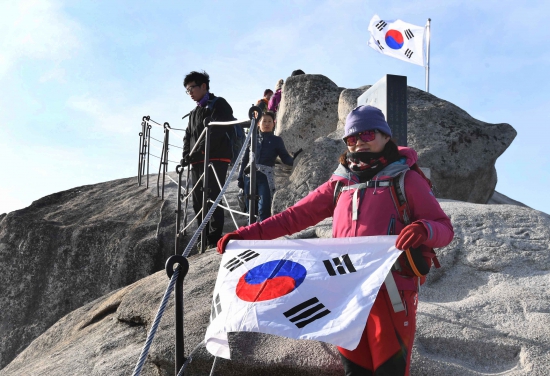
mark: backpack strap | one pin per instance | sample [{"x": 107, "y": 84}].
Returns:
[
  {"x": 337, "y": 192},
  {"x": 393, "y": 293},
  {"x": 417, "y": 261},
  {"x": 210, "y": 103},
  {"x": 397, "y": 190},
  {"x": 357, "y": 188}
]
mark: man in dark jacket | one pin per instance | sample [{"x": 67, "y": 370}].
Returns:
[{"x": 197, "y": 86}]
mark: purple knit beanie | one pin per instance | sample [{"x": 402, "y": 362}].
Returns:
[{"x": 366, "y": 118}]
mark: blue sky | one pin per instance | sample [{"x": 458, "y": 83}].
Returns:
[{"x": 78, "y": 76}]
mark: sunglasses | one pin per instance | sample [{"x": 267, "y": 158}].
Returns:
[{"x": 365, "y": 136}]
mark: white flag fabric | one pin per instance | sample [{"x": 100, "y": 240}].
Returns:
[
  {"x": 319, "y": 289},
  {"x": 397, "y": 39}
]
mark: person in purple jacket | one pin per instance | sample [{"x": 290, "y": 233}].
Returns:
[
  {"x": 365, "y": 206},
  {"x": 273, "y": 105}
]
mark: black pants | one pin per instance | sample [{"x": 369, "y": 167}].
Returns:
[{"x": 215, "y": 225}]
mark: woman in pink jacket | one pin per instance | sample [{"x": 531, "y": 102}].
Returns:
[{"x": 364, "y": 206}]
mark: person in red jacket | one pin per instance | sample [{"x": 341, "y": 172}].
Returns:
[
  {"x": 365, "y": 207},
  {"x": 264, "y": 102}
]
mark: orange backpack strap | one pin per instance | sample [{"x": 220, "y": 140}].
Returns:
[{"x": 419, "y": 261}]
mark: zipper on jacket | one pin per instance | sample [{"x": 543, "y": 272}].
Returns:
[{"x": 391, "y": 225}]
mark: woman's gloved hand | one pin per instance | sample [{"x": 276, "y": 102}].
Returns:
[
  {"x": 222, "y": 243},
  {"x": 240, "y": 183},
  {"x": 412, "y": 236}
]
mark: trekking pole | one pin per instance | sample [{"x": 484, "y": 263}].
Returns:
[
  {"x": 183, "y": 266},
  {"x": 253, "y": 200}
]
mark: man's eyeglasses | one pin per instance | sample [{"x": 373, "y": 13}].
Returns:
[
  {"x": 190, "y": 89},
  {"x": 365, "y": 136}
]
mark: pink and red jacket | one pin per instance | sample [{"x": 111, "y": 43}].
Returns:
[
  {"x": 274, "y": 101},
  {"x": 376, "y": 214}
]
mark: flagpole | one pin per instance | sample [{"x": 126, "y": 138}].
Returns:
[{"x": 428, "y": 55}]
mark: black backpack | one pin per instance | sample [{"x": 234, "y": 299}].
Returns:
[{"x": 235, "y": 134}]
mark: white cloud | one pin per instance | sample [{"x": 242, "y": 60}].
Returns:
[{"x": 36, "y": 29}]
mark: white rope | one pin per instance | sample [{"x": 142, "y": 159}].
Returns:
[
  {"x": 231, "y": 210},
  {"x": 195, "y": 236},
  {"x": 232, "y": 122},
  {"x": 172, "y": 179},
  {"x": 155, "y": 123},
  {"x": 191, "y": 221},
  {"x": 178, "y": 132},
  {"x": 225, "y": 198}
]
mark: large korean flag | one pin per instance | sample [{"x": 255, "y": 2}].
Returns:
[
  {"x": 320, "y": 289},
  {"x": 397, "y": 39}
]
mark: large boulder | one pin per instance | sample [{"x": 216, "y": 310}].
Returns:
[
  {"x": 311, "y": 169},
  {"x": 346, "y": 103},
  {"x": 72, "y": 247},
  {"x": 485, "y": 311},
  {"x": 319, "y": 159},
  {"x": 308, "y": 110},
  {"x": 459, "y": 150}
]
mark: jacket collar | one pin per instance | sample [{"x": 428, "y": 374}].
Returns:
[{"x": 408, "y": 158}]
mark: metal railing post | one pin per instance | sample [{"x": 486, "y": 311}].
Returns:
[
  {"x": 252, "y": 199},
  {"x": 148, "y": 150},
  {"x": 186, "y": 201},
  {"x": 165, "y": 155},
  {"x": 205, "y": 182},
  {"x": 140, "y": 151},
  {"x": 145, "y": 146},
  {"x": 183, "y": 266},
  {"x": 179, "y": 170},
  {"x": 163, "y": 160}
]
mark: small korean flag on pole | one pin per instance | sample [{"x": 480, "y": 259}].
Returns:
[
  {"x": 397, "y": 39},
  {"x": 319, "y": 289}
]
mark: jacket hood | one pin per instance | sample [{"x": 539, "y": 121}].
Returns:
[{"x": 408, "y": 158}]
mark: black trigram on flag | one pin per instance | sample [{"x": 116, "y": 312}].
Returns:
[
  {"x": 235, "y": 262},
  {"x": 341, "y": 263},
  {"x": 306, "y": 312},
  {"x": 408, "y": 53},
  {"x": 381, "y": 24},
  {"x": 379, "y": 44},
  {"x": 409, "y": 34},
  {"x": 216, "y": 307}
]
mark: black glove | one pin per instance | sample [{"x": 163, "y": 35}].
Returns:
[
  {"x": 296, "y": 154},
  {"x": 240, "y": 183},
  {"x": 185, "y": 161},
  {"x": 247, "y": 170}
]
